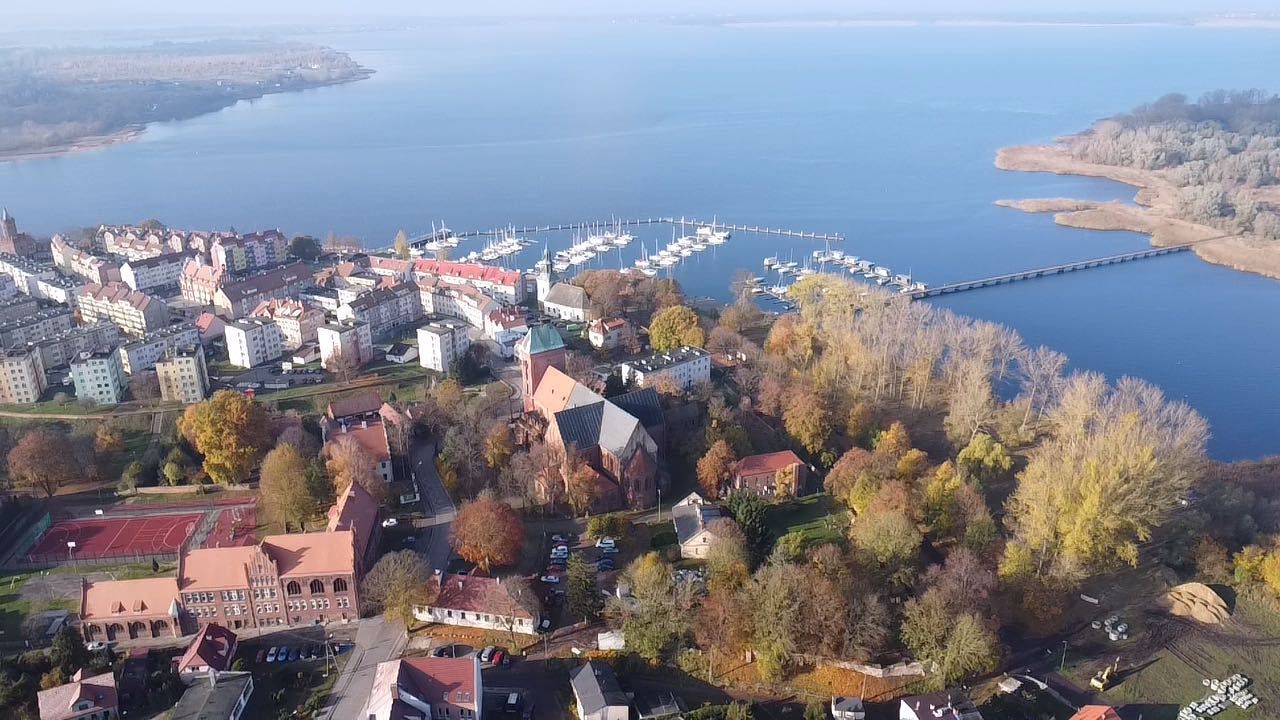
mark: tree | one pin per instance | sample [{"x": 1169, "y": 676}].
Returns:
[
  {"x": 583, "y": 594},
  {"x": 108, "y": 439},
  {"x": 398, "y": 583},
  {"x": 402, "y": 245},
  {"x": 653, "y": 620},
  {"x": 307, "y": 444},
  {"x": 43, "y": 460},
  {"x": 894, "y": 442},
  {"x": 984, "y": 459},
  {"x": 815, "y": 710},
  {"x": 675, "y": 327},
  {"x": 449, "y": 398},
  {"x": 715, "y": 468},
  {"x": 347, "y": 462},
  {"x": 287, "y": 493},
  {"x": 748, "y": 510},
  {"x": 488, "y": 533},
  {"x": 776, "y": 595},
  {"x": 890, "y": 540},
  {"x": 305, "y": 247},
  {"x": 231, "y": 431},
  {"x": 130, "y": 477},
  {"x": 971, "y": 402},
  {"x": 343, "y": 366},
  {"x": 611, "y": 525},
  {"x": 955, "y": 646},
  {"x": 497, "y": 446},
  {"x": 806, "y": 418},
  {"x": 728, "y": 563},
  {"x": 67, "y": 651}
]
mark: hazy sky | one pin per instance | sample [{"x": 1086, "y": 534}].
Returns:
[{"x": 352, "y": 8}]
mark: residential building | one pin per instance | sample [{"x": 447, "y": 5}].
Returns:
[
  {"x": 74, "y": 261},
  {"x": 220, "y": 696},
  {"x": 608, "y": 334},
  {"x": 8, "y": 288},
  {"x": 39, "y": 325},
  {"x": 498, "y": 283},
  {"x": 116, "y": 610},
  {"x": 238, "y": 299},
  {"x": 253, "y": 341},
  {"x": 322, "y": 297},
  {"x": 695, "y": 522},
  {"x": 22, "y": 378},
  {"x": 17, "y": 306},
  {"x": 246, "y": 253},
  {"x": 426, "y": 688},
  {"x": 371, "y": 437},
  {"x": 59, "y": 349},
  {"x": 1096, "y": 712},
  {"x": 24, "y": 271},
  {"x": 779, "y": 474},
  {"x": 212, "y": 649},
  {"x": 135, "y": 312},
  {"x": 210, "y": 326},
  {"x": 597, "y": 693},
  {"x": 297, "y": 322},
  {"x": 658, "y": 705},
  {"x": 183, "y": 375},
  {"x": 685, "y": 367},
  {"x": 567, "y": 302},
  {"x": 401, "y": 354},
  {"x": 84, "y": 698},
  {"x": 395, "y": 268},
  {"x": 99, "y": 377},
  {"x": 199, "y": 283},
  {"x": 441, "y": 344},
  {"x": 59, "y": 289},
  {"x": 847, "y": 708},
  {"x": 350, "y": 341},
  {"x": 135, "y": 243},
  {"x": 386, "y": 310},
  {"x": 12, "y": 241},
  {"x": 353, "y": 409},
  {"x": 938, "y": 706},
  {"x": 143, "y": 354},
  {"x": 481, "y": 602},
  {"x": 152, "y": 274}
]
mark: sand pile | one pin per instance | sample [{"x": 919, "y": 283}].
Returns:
[{"x": 1198, "y": 602}]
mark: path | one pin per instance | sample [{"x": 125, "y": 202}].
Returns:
[
  {"x": 376, "y": 641},
  {"x": 433, "y": 542}
]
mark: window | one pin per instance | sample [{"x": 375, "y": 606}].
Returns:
[
  {"x": 339, "y": 585},
  {"x": 293, "y": 588},
  {"x": 317, "y": 587}
]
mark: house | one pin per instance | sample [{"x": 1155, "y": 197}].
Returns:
[
  {"x": 362, "y": 406},
  {"x": 357, "y": 511},
  {"x": 778, "y": 474},
  {"x": 1096, "y": 712},
  {"x": 212, "y": 649},
  {"x": 114, "y": 610},
  {"x": 371, "y": 437},
  {"x": 938, "y": 706},
  {"x": 298, "y": 323},
  {"x": 481, "y": 602},
  {"x": 597, "y": 693},
  {"x": 567, "y": 302},
  {"x": 694, "y": 519},
  {"x": 426, "y": 688},
  {"x": 685, "y": 367},
  {"x": 219, "y": 696},
  {"x": 84, "y": 698},
  {"x": 401, "y": 353},
  {"x": 847, "y": 708},
  {"x": 608, "y": 334}
]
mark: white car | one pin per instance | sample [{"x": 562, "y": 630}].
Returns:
[
  {"x": 606, "y": 542},
  {"x": 551, "y": 579},
  {"x": 95, "y": 646},
  {"x": 390, "y": 522}
]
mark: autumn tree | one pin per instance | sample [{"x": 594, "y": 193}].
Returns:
[
  {"x": 108, "y": 439},
  {"x": 307, "y": 444},
  {"x": 776, "y": 599},
  {"x": 43, "y": 460},
  {"x": 890, "y": 542},
  {"x": 289, "y": 492},
  {"x": 305, "y": 248},
  {"x": 653, "y": 619},
  {"x": 449, "y": 398},
  {"x": 399, "y": 582},
  {"x": 945, "y": 626},
  {"x": 807, "y": 419},
  {"x": 497, "y": 446},
  {"x": 347, "y": 462},
  {"x": 583, "y": 593},
  {"x": 488, "y": 533},
  {"x": 715, "y": 468},
  {"x": 344, "y": 366},
  {"x": 971, "y": 402},
  {"x": 231, "y": 431},
  {"x": 675, "y": 327},
  {"x": 984, "y": 459},
  {"x": 728, "y": 562},
  {"x": 401, "y": 245}
]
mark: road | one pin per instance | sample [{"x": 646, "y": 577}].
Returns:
[
  {"x": 433, "y": 542},
  {"x": 376, "y": 641}
]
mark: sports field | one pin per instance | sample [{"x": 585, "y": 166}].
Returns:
[{"x": 115, "y": 537}]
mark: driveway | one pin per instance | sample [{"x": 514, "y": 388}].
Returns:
[
  {"x": 433, "y": 541},
  {"x": 376, "y": 641}
]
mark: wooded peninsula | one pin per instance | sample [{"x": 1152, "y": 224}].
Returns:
[
  {"x": 59, "y": 100},
  {"x": 1206, "y": 169}
]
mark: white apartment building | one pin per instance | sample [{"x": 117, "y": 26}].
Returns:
[
  {"x": 441, "y": 344},
  {"x": 59, "y": 289},
  {"x": 61, "y": 348},
  {"x": 498, "y": 283},
  {"x": 386, "y": 310},
  {"x": 298, "y": 322},
  {"x": 74, "y": 261},
  {"x": 143, "y": 354},
  {"x": 99, "y": 377},
  {"x": 153, "y": 273},
  {"x": 8, "y": 288},
  {"x": 22, "y": 378},
  {"x": 686, "y": 367},
  {"x": 30, "y": 328},
  {"x": 348, "y": 340},
  {"x": 24, "y": 272},
  {"x": 135, "y": 312},
  {"x": 253, "y": 341},
  {"x": 183, "y": 375}
]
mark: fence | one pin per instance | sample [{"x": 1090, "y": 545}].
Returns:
[
  {"x": 45, "y": 561},
  {"x": 189, "y": 490},
  {"x": 20, "y": 544},
  {"x": 902, "y": 669}
]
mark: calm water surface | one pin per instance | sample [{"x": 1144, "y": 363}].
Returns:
[{"x": 886, "y": 135}]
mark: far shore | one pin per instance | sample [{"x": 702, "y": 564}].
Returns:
[
  {"x": 1152, "y": 216},
  {"x": 79, "y": 145}
]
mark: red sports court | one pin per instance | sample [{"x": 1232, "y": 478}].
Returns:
[{"x": 116, "y": 537}]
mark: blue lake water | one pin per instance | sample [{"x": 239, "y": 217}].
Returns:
[{"x": 886, "y": 135}]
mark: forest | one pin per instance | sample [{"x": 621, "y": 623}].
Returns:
[
  {"x": 53, "y": 98},
  {"x": 1222, "y": 151}
]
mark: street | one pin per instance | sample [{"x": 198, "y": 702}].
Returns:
[{"x": 433, "y": 542}]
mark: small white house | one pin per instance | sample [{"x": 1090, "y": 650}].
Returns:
[
  {"x": 597, "y": 693},
  {"x": 692, "y": 518},
  {"x": 400, "y": 353},
  {"x": 481, "y": 602}
]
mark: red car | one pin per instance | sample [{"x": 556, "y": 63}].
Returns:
[
  {"x": 497, "y": 657},
  {"x": 555, "y": 568}
]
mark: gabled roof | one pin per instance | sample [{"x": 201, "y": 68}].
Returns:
[
  {"x": 1096, "y": 712},
  {"x": 308, "y": 554},
  {"x": 601, "y": 423},
  {"x": 215, "y": 568},
  {"x": 567, "y": 295},
  {"x": 356, "y": 511},
  {"x": 467, "y": 271},
  {"x": 371, "y": 437},
  {"x": 596, "y": 688},
  {"x": 473, "y": 593},
  {"x": 692, "y": 519},
  {"x": 123, "y": 600},
  {"x": 398, "y": 684},
  {"x": 363, "y": 404},
  {"x": 212, "y": 647},
  {"x": 765, "y": 463},
  {"x": 58, "y": 703},
  {"x": 645, "y": 404},
  {"x": 266, "y": 282},
  {"x": 557, "y": 391}
]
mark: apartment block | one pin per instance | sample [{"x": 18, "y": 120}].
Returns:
[
  {"x": 135, "y": 312},
  {"x": 24, "y": 271},
  {"x": 59, "y": 349},
  {"x": 143, "y": 354},
  {"x": 22, "y": 378},
  {"x": 199, "y": 283},
  {"x": 74, "y": 261},
  {"x": 17, "y": 306},
  {"x": 298, "y": 322},
  {"x": 246, "y": 253},
  {"x": 347, "y": 340},
  {"x": 37, "y": 326},
  {"x": 253, "y": 341},
  {"x": 183, "y": 375},
  {"x": 686, "y": 367},
  {"x": 154, "y": 273},
  {"x": 386, "y": 311},
  {"x": 58, "y": 289},
  {"x": 238, "y": 299},
  {"x": 441, "y": 344},
  {"x": 99, "y": 377}
]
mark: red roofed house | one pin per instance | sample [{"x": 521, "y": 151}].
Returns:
[
  {"x": 213, "y": 648},
  {"x": 498, "y": 283},
  {"x": 482, "y": 602},
  {"x": 115, "y": 610},
  {"x": 608, "y": 334},
  {"x": 84, "y": 698},
  {"x": 1096, "y": 712},
  {"x": 357, "y": 511},
  {"x": 426, "y": 688},
  {"x": 779, "y": 474},
  {"x": 371, "y": 437}
]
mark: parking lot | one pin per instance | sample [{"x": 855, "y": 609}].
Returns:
[{"x": 268, "y": 378}]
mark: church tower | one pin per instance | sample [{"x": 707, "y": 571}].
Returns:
[
  {"x": 540, "y": 349},
  {"x": 546, "y": 274},
  {"x": 8, "y": 226}
]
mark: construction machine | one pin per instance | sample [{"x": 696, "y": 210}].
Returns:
[{"x": 1103, "y": 678}]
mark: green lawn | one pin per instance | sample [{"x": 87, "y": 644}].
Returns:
[
  {"x": 14, "y": 610},
  {"x": 819, "y": 518}
]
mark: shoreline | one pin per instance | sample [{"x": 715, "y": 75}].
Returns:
[{"x": 1151, "y": 216}]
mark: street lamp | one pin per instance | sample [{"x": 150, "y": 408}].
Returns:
[{"x": 71, "y": 546}]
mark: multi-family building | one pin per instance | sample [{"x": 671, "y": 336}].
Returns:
[
  {"x": 39, "y": 325},
  {"x": 253, "y": 341},
  {"x": 143, "y": 354},
  {"x": 17, "y": 306},
  {"x": 59, "y": 349},
  {"x": 135, "y": 312},
  {"x": 8, "y": 288},
  {"x": 429, "y": 688},
  {"x": 183, "y": 375},
  {"x": 238, "y": 299},
  {"x": 74, "y": 261},
  {"x": 297, "y": 322},
  {"x": 441, "y": 344},
  {"x": 215, "y": 696},
  {"x": 99, "y": 377},
  {"x": 161, "y": 272},
  {"x": 325, "y": 298},
  {"x": 608, "y": 334},
  {"x": 246, "y": 253},
  {"x": 386, "y": 310},
  {"x": 498, "y": 283},
  {"x": 350, "y": 341},
  {"x": 24, "y": 271},
  {"x": 134, "y": 243},
  {"x": 199, "y": 283},
  {"x": 12, "y": 241},
  {"x": 86, "y": 697},
  {"x": 22, "y": 378},
  {"x": 370, "y": 435},
  {"x": 686, "y": 367},
  {"x": 58, "y": 288}
]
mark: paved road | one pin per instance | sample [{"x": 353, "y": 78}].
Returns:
[
  {"x": 433, "y": 542},
  {"x": 376, "y": 641}
]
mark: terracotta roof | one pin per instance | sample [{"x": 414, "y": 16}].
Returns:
[
  {"x": 125, "y": 599},
  {"x": 766, "y": 463},
  {"x": 1096, "y": 712},
  {"x": 604, "y": 326},
  {"x": 371, "y": 439},
  {"x": 474, "y": 593},
  {"x": 396, "y": 265},
  {"x": 318, "y": 553},
  {"x": 58, "y": 703},
  {"x": 212, "y": 647},
  {"x": 205, "y": 274},
  {"x": 115, "y": 293},
  {"x": 436, "y": 681},
  {"x": 468, "y": 271},
  {"x": 283, "y": 308},
  {"x": 208, "y": 322},
  {"x": 557, "y": 391},
  {"x": 356, "y": 511},
  {"x": 362, "y": 404},
  {"x": 215, "y": 568}
]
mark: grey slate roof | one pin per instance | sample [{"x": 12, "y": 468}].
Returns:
[
  {"x": 203, "y": 700},
  {"x": 567, "y": 295},
  {"x": 644, "y": 404},
  {"x": 596, "y": 688},
  {"x": 690, "y": 519},
  {"x": 600, "y": 423}
]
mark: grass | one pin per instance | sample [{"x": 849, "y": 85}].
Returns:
[
  {"x": 14, "y": 610},
  {"x": 816, "y": 517},
  {"x": 123, "y": 571}
]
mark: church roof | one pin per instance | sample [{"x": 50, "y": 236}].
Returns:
[{"x": 544, "y": 338}]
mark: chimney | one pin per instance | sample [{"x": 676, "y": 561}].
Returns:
[{"x": 459, "y": 584}]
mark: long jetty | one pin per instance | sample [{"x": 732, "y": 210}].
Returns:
[{"x": 420, "y": 240}]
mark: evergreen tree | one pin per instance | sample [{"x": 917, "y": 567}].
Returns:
[{"x": 583, "y": 595}]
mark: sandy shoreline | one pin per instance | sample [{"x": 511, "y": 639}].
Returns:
[
  {"x": 1153, "y": 214},
  {"x": 85, "y": 144}
]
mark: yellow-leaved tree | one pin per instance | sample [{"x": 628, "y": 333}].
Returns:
[{"x": 230, "y": 431}]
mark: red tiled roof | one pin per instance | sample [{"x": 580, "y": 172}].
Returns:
[
  {"x": 472, "y": 593},
  {"x": 766, "y": 463},
  {"x": 117, "y": 293},
  {"x": 468, "y": 271},
  {"x": 438, "y": 681},
  {"x": 356, "y": 511},
  {"x": 212, "y": 647},
  {"x": 1096, "y": 712},
  {"x": 58, "y": 703},
  {"x": 372, "y": 439}
]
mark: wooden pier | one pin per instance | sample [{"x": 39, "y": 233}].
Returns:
[{"x": 420, "y": 240}]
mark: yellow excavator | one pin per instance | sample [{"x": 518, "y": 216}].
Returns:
[{"x": 1103, "y": 678}]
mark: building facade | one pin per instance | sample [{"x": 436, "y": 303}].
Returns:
[
  {"x": 441, "y": 344},
  {"x": 183, "y": 375},
  {"x": 74, "y": 261},
  {"x": 161, "y": 272},
  {"x": 297, "y": 322},
  {"x": 143, "y": 354},
  {"x": 59, "y": 349},
  {"x": 253, "y": 341},
  {"x": 135, "y": 312},
  {"x": 685, "y": 367},
  {"x": 37, "y": 326},
  {"x": 387, "y": 311},
  {"x": 498, "y": 283},
  {"x": 246, "y": 253},
  {"x": 481, "y": 602},
  {"x": 199, "y": 283},
  {"x": 428, "y": 688},
  {"x": 349, "y": 341},
  {"x": 99, "y": 377},
  {"x": 22, "y": 378},
  {"x": 238, "y": 299},
  {"x": 770, "y": 475}
]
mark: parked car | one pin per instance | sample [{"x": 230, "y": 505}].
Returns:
[
  {"x": 261, "y": 657},
  {"x": 559, "y": 554},
  {"x": 271, "y": 654},
  {"x": 550, "y": 579},
  {"x": 443, "y": 651},
  {"x": 294, "y": 654},
  {"x": 309, "y": 652},
  {"x": 390, "y": 522},
  {"x": 606, "y": 542},
  {"x": 497, "y": 657},
  {"x": 282, "y": 654},
  {"x": 95, "y": 646},
  {"x": 564, "y": 538},
  {"x": 487, "y": 653},
  {"x": 544, "y": 624}
]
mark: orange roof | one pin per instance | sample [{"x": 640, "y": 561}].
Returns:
[
  {"x": 212, "y": 647},
  {"x": 356, "y": 511},
  {"x": 1096, "y": 712},
  {"x": 768, "y": 462},
  {"x": 123, "y": 600},
  {"x": 215, "y": 568},
  {"x": 557, "y": 391},
  {"x": 371, "y": 439},
  {"x": 468, "y": 271},
  {"x": 318, "y": 553}
]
